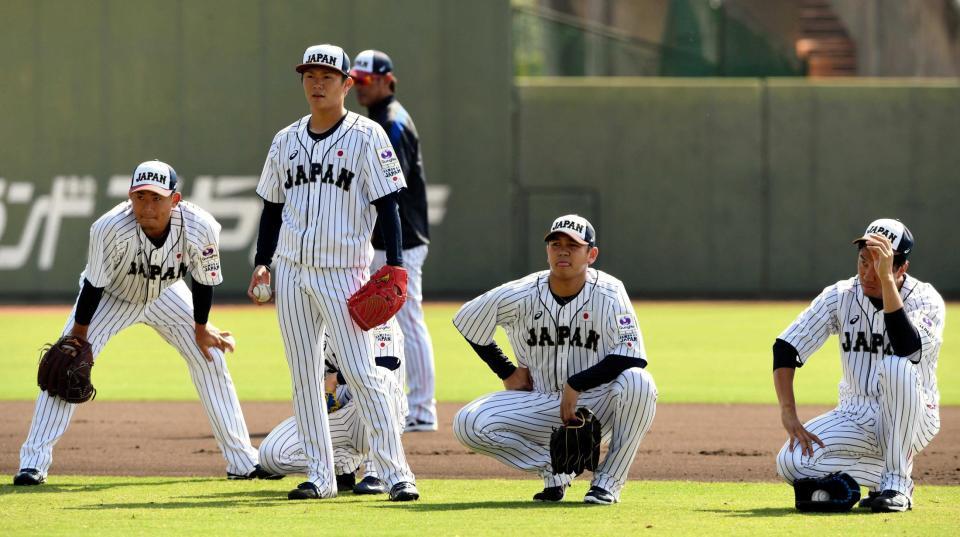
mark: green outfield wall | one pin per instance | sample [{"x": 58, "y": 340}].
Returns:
[
  {"x": 91, "y": 88},
  {"x": 698, "y": 187},
  {"x": 718, "y": 187}
]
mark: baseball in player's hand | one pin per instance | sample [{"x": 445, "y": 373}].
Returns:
[
  {"x": 520, "y": 380},
  {"x": 261, "y": 276},
  {"x": 209, "y": 336},
  {"x": 799, "y": 435}
]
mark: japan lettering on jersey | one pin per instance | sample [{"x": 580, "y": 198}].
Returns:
[
  {"x": 844, "y": 310},
  {"x": 123, "y": 261},
  {"x": 556, "y": 341},
  {"x": 327, "y": 187}
]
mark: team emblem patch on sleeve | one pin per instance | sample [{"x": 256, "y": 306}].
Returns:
[
  {"x": 209, "y": 250},
  {"x": 627, "y": 328}
]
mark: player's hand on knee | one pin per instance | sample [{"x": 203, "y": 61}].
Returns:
[
  {"x": 209, "y": 336},
  {"x": 261, "y": 276},
  {"x": 520, "y": 380},
  {"x": 799, "y": 435}
]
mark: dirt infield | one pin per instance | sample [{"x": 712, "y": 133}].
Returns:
[{"x": 689, "y": 442}]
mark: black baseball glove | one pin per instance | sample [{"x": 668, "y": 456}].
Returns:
[
  {"x": 575, "y": 448},
  {"x": 833, "y": 493},
  {"x": 64, "y": 370}
]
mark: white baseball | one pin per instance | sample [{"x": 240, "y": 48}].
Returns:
[
  {"x": 820, "y": 495},
  {"x": 262, "y": 292}
]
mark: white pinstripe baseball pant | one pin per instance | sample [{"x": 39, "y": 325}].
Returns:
[
  {"x": 309, "y": 300},
  {"x": 417, "y": 345},
  {"x": 281, "y": 452},
  {"x": 171, "y": 315},
  {"x": 514, "y": 427},
  {"x": 876, "y": 445}
]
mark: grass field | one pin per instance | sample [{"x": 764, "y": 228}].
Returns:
[
  {"x": 705, "y": 353},
  {"x": 699, "y": 352},
  {"x": 71, "y": 505}
]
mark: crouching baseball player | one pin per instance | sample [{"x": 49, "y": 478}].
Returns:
[
  {"x": 139, "y": 253},
  {"x": 890, "y": 327},
  {"x": 576, "y": 338},
  {"x": 282, "y": 451}
]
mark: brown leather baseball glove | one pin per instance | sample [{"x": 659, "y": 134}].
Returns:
[
  {"x": 380, "y": 298},
  {"x": 65, "y": 368}
]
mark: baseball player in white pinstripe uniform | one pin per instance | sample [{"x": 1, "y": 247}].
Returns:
[
  {"x": 890, "y": 329},
  {"x": 139, "y": 253},
  {"x": 575, "y": 335},
  {"x": 281, "y": 452},
  {"x": 323, "y": 176}
]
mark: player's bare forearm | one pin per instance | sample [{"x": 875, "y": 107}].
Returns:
[
  {"x": 519, "y": 380},
  {"x": 568, "y": 404},
  {"x": 79, "y": 330},
  {"x": 799, "y": 435}
]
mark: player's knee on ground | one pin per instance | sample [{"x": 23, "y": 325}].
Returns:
[{"x": 269, "y": 452}]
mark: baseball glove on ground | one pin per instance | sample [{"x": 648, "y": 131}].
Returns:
[
  {"x": 833, "y": 493},
  {"x": 575, "y": 448},
  {"x": 380, "y": 298},
  {"x": 65, "y": 368}
]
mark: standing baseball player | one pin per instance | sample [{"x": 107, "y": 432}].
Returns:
[
  {"x": 139, "y": 253},
  {"x": 281, "y": 452},
  {"x": 322, "y": 179},
  {"x": 576, "y": 338},
  {"x": 375, "y": 86},
  {"x": 890, "y": 327}
]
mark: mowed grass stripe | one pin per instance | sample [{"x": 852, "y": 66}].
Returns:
[{"x": 700, "y": 352}]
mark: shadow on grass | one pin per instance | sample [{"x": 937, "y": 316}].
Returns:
[
  {"x": 89, "y": 487},
  {"x": 466, "y": 506},
  {"x": 771, "y": 512}
]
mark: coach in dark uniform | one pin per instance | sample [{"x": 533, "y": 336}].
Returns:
[{"x": 375, "y": 85}]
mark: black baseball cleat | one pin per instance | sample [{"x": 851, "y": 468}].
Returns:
[
  {"x": 257, "y": 473},
  {"x": 867, "y": 503},
  {"x": 370, "y": 485},
  {"x": 599, "y": 496},
  {"x": 28, "y": 477},
  {"x": 550, "y": 494},
  {"x": 890, "y": 501},
  {"x": 420, "y": 426},
  {"x": 345, "y": 482},
  {"x": 304, "y": 491},
  {"x": 404, "y": 491}
]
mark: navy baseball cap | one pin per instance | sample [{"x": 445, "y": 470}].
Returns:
[
  {"x": 154, "y": 176},
  {"x": 574, "y": 226},
  {"x": 900, "y": 237},
  {"x": 329, "y": 56},
  {"x": 373, "y": 62}
]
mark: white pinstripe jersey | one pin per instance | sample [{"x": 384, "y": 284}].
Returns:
[
  {"x": 123, "y": 261},
  {"x": 327, "y": 187},
  {"x": 843, "y": 309},
  {"x": 556, "y": 341}
]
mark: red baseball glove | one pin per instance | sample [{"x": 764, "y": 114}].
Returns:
[{"x": 380, "y": 298}]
